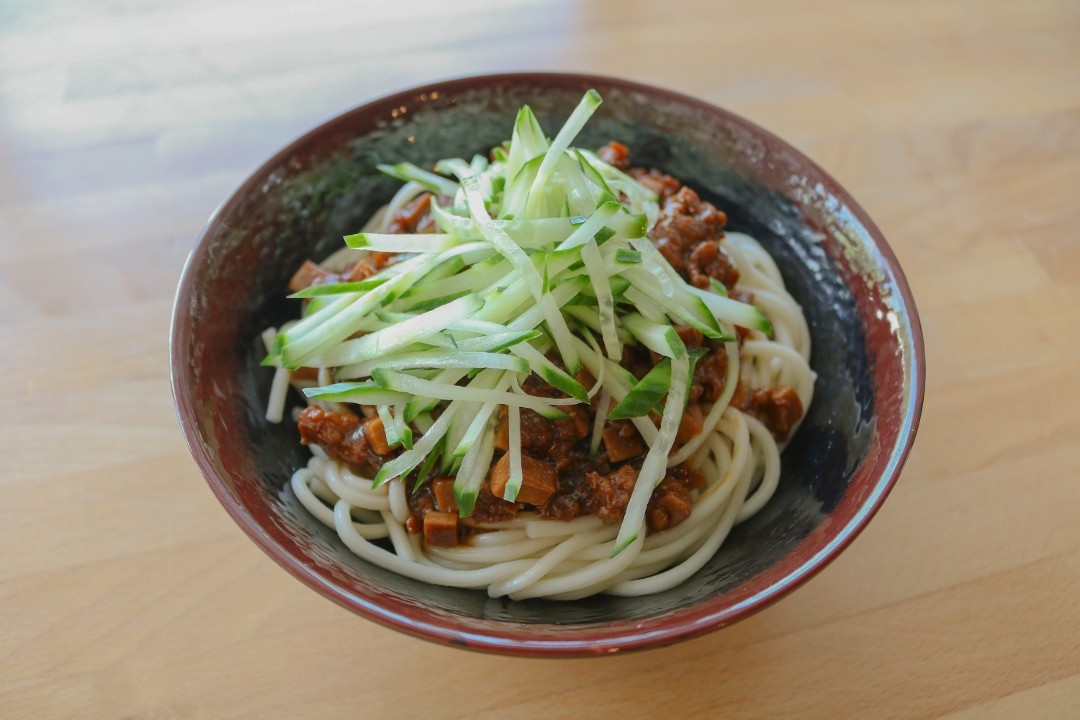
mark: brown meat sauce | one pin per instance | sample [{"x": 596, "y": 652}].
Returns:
[{"x": 689, "y": 233}]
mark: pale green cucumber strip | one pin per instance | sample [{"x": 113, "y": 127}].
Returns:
[
  {"x": 490, "y": 343},
  {"x": 480, "y": 421},
  {"x": 617, "y": 381},
  {"x": 654, "y": 468},
  {"x": 361, "y": 393},
  {"x": 549, "y": 372},
  {"x": 661, "y": 338},
  {"x": 499, "y": 239},
  {"x": 406, "y": 461},
  {"x": 434, "y": 359},
  {"x": 429, "y": 461},
  {"x": 453, "y": 166},
  {"x": 513, "y": 483},
  {"x": 402, "y": 242},
  {"x": 580, "y": 199},
  {"x": 718, "y": 287},
  {"x": 480, "y": 327},
  {"x": 417, "y": 405},
  {"x": 402, "y": 334},
  {"x": 526, "y": 142},
  {"x": 298, "y": 346},
  {"x": 650, "y": 310},
  {"x": 474, "y": 279},
  {"x": 585, "y": 232},
  {"x": 585, "y": 314},
  {"x": 401, "y": 382},
  {"x": 601, "y": 191},
  {"x": 450, "y": 222},
  {"x": 605, "y": 301},
  {"x": 404, "y": 432},
  {"x": 570, "y": 129},
  {"x": 734, "y": 312},
  {"x": 560, "y": 333},
  {"x": 517, "y": 189},
  {"x": 684, "y": 306},
  {"x": 400, "y": 271},
  {"x": 407, "y": 172},
  {"x": 358, "y": 286},
  {"x": 459, "y": 428},
  {"x": 471, "y": 473},
  {"x": 619, "y": 181},
  {"x": 646, "y": 394},
  {"x": 389, "y": 427}
]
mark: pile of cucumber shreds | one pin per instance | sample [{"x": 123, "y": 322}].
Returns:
[{"x": 543, "y": 251}]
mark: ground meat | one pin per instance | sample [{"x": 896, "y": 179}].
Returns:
[
  {"x": 687, "y": 233},
  {"x": 615, "y": 154},
  {"x": 611, "y": 493},
  {"x": 710, "y": 375},
  {"x": 669, "y": 505},
  {"x": 341, "y": 436},
  {"x": 672, "y": 501},
  {"x": 311, "y": 273},
  {"x": 663, "y": 185},
  {"x": 778, "y": 408},
  {"x": 490, "y": 508},
  {"x": 414, "y": 217}
]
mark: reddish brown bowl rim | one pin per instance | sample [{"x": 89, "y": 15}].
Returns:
[{"x": 553, "y": 640}]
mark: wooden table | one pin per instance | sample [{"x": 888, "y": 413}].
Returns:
[{"x": 125, "y": 590}]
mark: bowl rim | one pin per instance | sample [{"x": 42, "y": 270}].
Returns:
[{"x": 551, "y": 640}]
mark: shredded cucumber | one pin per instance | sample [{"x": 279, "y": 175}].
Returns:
[{"x": 541, "y": 265}]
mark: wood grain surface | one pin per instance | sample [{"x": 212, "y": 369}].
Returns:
[{"x": 126, "y": 591}]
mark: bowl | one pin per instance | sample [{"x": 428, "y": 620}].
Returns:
[{"x": 837, "y": 470}]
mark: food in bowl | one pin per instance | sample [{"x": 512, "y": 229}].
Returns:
[{"x": 545, "y": 372}]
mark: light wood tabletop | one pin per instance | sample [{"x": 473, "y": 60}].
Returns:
[{"x": 127, "y": 592}]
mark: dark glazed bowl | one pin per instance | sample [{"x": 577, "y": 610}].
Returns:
[{"x": 836, "y": 472}]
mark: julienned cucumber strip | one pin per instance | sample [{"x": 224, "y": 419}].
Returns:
[
  {"x": 734, "y": 312},
  {"x": 403, "y": 243},
  {"x": 408, "y": 172},
  {"x": 434, "y": 359},
  {"x": 400, "y": 382},
  {"x": 646, "y": 394},
  {"x": 337, "y": 288},
  {"x": 573, "y": 125},
  {"x": 661, "y": 338},
  {"x": 401, "y": 334},
  {"x": 549, "y": 372},
  {"x": 364, "y": 393},
  {"x": 654, "y": 468}
]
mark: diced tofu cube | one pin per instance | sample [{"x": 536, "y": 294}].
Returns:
[
  {"x": 376, "y": 436},
  {"x": 440, "y": 529},
  {"x": 538, "y": 479},
  {"x": 622, "y": 440},
  {"x": 443, "y": 490}
]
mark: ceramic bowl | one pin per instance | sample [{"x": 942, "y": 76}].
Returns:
[{"x": 837, "y": 470}]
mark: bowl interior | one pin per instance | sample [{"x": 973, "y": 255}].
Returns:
[{"x": 836, "y": 471}]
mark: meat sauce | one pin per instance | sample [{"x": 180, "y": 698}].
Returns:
[{"x": 561, "y": 479}]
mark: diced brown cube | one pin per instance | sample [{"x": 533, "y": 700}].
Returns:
[
  {"x": 538, "y": 479},
  {"x": 502, "y": 434},
  {"x": 440, "y": 529},
  {"x": 308, "y": 274},
  {"x": 376, "y": 436},
  {"x": 443, "y": 490},
  {"x": 690, "y": 425},
  {"x": 622, "y": 440}
]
